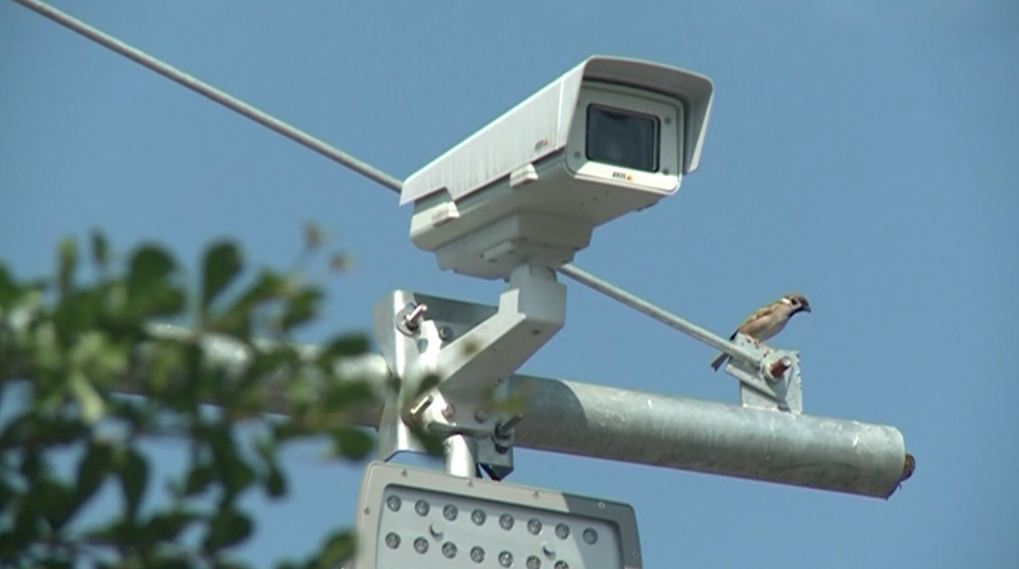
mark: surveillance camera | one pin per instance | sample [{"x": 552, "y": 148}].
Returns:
[{"x": 610, "y": 136}]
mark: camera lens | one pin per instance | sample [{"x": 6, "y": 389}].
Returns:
[{"x": 622, "y": 138}]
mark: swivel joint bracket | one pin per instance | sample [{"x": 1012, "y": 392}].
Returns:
[
  {"x": 467, "y": 350},
  {"x": 773, "y": 383}
]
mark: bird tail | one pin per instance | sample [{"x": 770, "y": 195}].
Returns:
[{"x": 717, "y": 362}]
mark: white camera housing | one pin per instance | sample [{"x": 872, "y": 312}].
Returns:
[{"x": 610, "y": 136}]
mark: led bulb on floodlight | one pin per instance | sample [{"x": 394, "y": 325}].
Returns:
[
  {"x": 410, "y": 517},
  {"x": 609, "y": 137}
]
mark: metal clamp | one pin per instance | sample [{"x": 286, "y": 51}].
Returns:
[
  {"x": 773, "y": 384},
  {"x": 471, "y": 349}
]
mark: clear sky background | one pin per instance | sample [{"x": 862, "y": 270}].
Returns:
[{"x": 861, "y": 152}]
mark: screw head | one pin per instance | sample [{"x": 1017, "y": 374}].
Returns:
[{"x": 448, "y": 412}]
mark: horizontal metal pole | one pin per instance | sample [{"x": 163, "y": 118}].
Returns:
[
  {"x": 645, "y": 428},
  {"x": 703, "y": 436},
  {"x": 673, "y": 432},
  {"x": 660, "y": 314},
  {"x": 221, "y": 97}
]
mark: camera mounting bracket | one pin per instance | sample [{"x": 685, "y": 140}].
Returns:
[{"x": 452, "y": 359}]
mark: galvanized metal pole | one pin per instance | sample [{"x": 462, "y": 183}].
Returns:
[
  {"x": 631, "y": 426},
  {"x": 228, "y": 101},
  {"x": 690, "y": 434}
]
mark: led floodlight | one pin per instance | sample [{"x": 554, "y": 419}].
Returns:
[{"x": 410, "y": 517}]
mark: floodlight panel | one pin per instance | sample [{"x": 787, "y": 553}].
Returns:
[{"x": 420, "y": 518}]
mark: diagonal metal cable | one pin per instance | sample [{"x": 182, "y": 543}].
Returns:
[
  {"x": 225, "y": 99},
  {"x": 361, "y": 167},
  {"x": 660, "y": 314}
]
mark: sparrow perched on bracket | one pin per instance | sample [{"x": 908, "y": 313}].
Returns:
[{"x": 767, "y": 321}]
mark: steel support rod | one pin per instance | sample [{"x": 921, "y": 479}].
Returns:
[
  {"x": 660, "y": 314},
  {"x": 225, "y": 99}
]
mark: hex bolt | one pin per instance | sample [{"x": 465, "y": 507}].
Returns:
[
  {"x": 413, "y": 319},
  {"x": 480, "y": 415},
  {"x": 420, "y": 406},
  {"x": 503, "y": 430},
  {"x": 445, "y": 333},
  {"x": 448, "y": 412},
  {"x": 778, "y": 368}
]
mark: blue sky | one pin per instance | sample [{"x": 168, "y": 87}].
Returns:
[{"x": 860, "y": 152}]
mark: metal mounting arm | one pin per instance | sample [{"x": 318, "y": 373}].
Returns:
[
  {"x": 470, "y": 349},
  {"x": 531, "y": 311}
]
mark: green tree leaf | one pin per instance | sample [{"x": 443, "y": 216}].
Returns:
[
  {"x": 149, "y": 288},
  {"x": 237, "y": 319},
  {"x": 92, "y": 336},
  {"x": 100, "y": 250},
  {"x": 133, "y": 471},
  {"x": 220, "y": 266},
  {"x": 198, "y": 480},
  {"x": 274, "y": 481},
  {"x": 9, "y": 288},
  {"x": 93, "y": 469},
  {"x": 352, "y": 442},
  {"x": 167, "y": 526},
  {"x": 149, "y": 264},
  {"x": 67, "y": 265},
  {"x": 342, "y": 347},
  {"x": 302, "y": 307},
  {"x": 93, "y": 408},
  {"x": 337, "y": 549},
  {"x": 228, "y": 527}
]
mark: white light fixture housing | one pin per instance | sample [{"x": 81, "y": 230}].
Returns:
[
  {"x": 610, "y": 136},
  {"x": 409, "y": 517}
]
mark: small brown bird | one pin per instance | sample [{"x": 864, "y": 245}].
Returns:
[{"x": 767, "y": 321}]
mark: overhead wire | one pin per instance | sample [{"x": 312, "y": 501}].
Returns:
[{"x": 217, "y": 95}]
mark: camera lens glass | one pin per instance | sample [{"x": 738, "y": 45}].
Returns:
[{"x": 622, "y": 138}]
